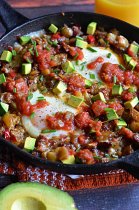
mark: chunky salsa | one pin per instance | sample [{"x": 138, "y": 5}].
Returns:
[{"x": 71, "y": 96}]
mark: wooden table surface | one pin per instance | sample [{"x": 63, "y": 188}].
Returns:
[{"x": 124, "y": 197}]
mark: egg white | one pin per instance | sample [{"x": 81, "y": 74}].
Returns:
[{"x": 92, "y": 56}]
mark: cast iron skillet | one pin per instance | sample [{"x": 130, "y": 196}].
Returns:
[{"x": 17, "y": 24}]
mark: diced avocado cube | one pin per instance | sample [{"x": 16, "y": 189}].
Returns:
[
  {"x": 132, "y": 64},
  {"x": 88, "y": 83},
  {"x": 132, "y": 103},
  {"x": 91, "y": 28},
  {"x": 82, "y": 44},
  {"x": 6, "y": 56},
  {"x": 2, "y": 78},
  {"x": 99, "y": 96},
  {"x": 24, "y": 39},
  {"x": 127, "y": 58},
  {"x": 69, "y": 160},
  {"x": 133, "y": 48},
  {"x": 60, "y": 87},
  {"x": 111, "y": 114},
  {"x": 3, "y": 108},
  {"x": 29, "y": 143},
  {"x": 121, "y": 123},
  {"x": 117, "y": 90},
  {"x": 68, "y": 67},
  {"x": 75, "y": 101},
  {"x": 26, "y": 68},
  {"x": 53, "y": 28},
  {"x": 132, "y": 89}
]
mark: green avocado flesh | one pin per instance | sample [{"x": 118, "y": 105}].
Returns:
[{"x": 34, "y": 196}]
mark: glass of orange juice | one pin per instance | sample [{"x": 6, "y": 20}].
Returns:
[{"x": 127, "y": 10}]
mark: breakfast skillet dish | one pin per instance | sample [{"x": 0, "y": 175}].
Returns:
[{"x": 70, "y": 96}]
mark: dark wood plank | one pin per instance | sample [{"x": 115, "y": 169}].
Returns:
[{"x": 40, "y": 3}]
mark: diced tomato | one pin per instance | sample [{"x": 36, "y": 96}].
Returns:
[
  {"x": 55, "y": 36},
  {"x": 90, "y": 38},
  {"x": 43, "y": 59},
  {"x": 86, "y": 156},
  {"x": 60, "y": 121},
  {"x": 96, "y": 125},
  {"x": 117, "y": 107},
  {"x": 128, "y": 77},
  {"x": 93, "y": 64},
  {"x": 126, "y": 96},
  {"x": 80, "y": 54},
  {"x": 21, "y": 87},
  {"x": 24, "y": 106},
  {"x": 12, "y": 74},
  {"x": 82, "y": 139},
  {"x": 82, "y": 120},
  {"x": 126, "y": 132},
  {"x": 98, "y": 107},
  {"x": 52, "y": 63},
  {"x": 75, "y": 83},
  {"x": 6, "y": 134},
  {"x": 38, "y": 105},
  {"x": 109, "y": 70}
]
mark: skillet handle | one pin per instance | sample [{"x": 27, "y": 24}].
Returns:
[
  {"x": 9, "y": 17},
  {"x": 131, "y": 164}
]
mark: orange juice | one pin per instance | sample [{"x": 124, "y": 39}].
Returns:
[{"x": 127, "y": 10}]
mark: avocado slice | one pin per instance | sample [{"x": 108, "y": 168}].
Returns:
[
  {"x": 68, "y": 67},
  {"x": 133, "y": 48},
  {"x": 132, "y": 64},
  {"x": 99, "y": 96},
  {"x": 91, "y": 28},
  {"x": 132, "y": 103},
  {"x": 60, "y": 88},
  {"x": 6, "y": 56},
  {"x": 3, "y": 108},
  {"x": 34, "y": 196},
  {"x": 88, "y": 83},
  {"x": 29, "y": 143},
  {"x": 69, "y": 160},
  {"x": 121, "y": 123},
  {"x": 53, "y": 28},
  {"x": 127, "y": 58},
  {"x": 24, "y": 39},
  {"x": 111, "y": 114},
  {"x": 82, "y": 44},
  {"x": 75, "y": 101},
  {"x": 2, "y": 78},
  {"x": 26, "y": 68},
  {"x": 117, "y": 89}
]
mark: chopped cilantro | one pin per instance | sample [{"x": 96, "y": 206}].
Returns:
[
  {"x": 92, "y": 76},
  {"x": 91, "y": 49},
  {"x": 32, "y": 115},
  {"x": 122, "y": 67},
  {"x": 14, "y": 90},
  {"x": 109, "y": 55},
  {"x": 30, "y": 96},
  {"x": 41, "y": 78},
  {"x": 48, "y": 131},
  {"x": 13, "y": 52}
]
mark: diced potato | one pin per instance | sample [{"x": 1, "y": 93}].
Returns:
[
  {"x": 134, "y": 114},
  {"x": 134, "y": 126},
  {"x": 11, "y": 120}
]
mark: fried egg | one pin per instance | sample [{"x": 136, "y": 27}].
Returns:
[{"x": 35, "y": 125}]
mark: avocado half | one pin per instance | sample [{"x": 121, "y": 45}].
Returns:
[{"x": 34, "y": 196}]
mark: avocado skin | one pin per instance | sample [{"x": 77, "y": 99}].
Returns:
[{"x": 51, "y": 198}]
